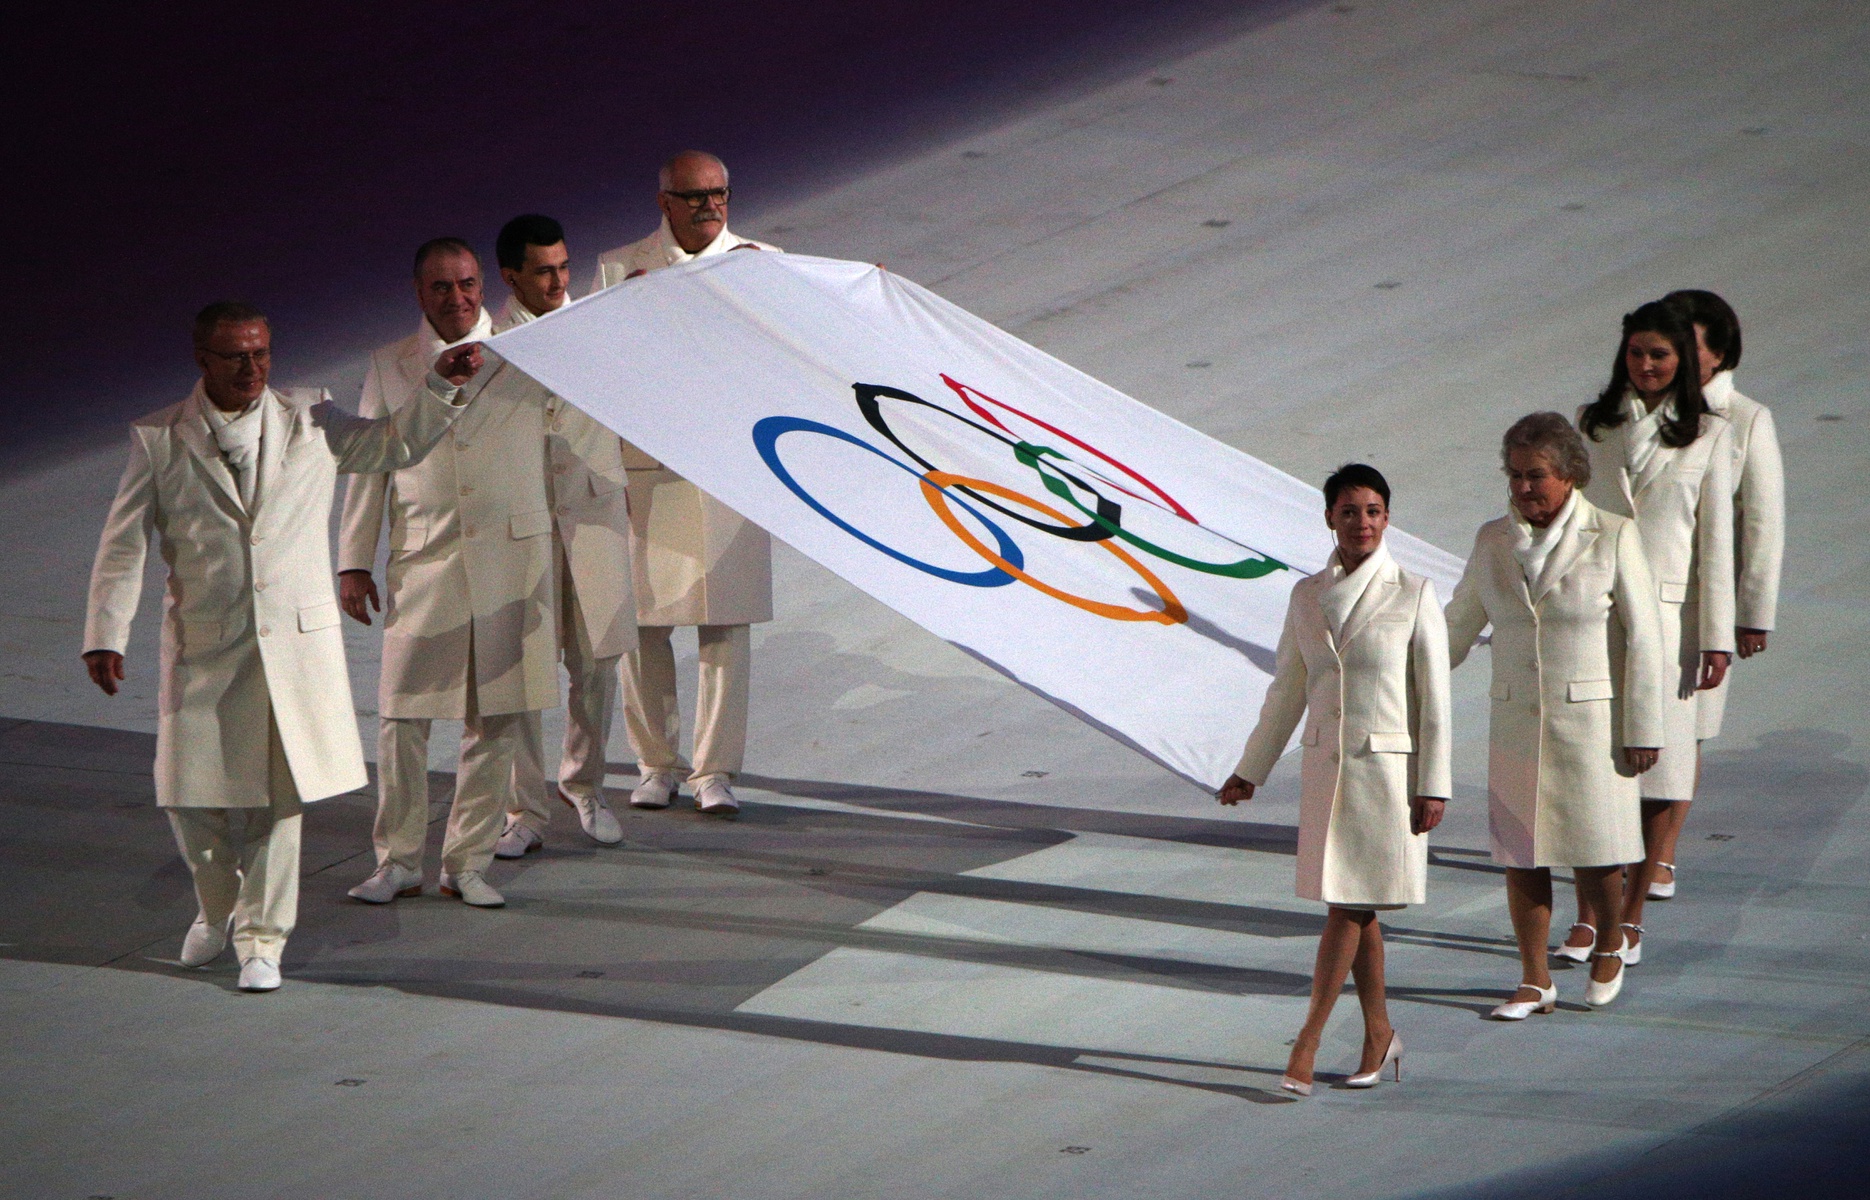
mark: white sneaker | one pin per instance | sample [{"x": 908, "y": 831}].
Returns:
[
  {"x": 389, "y": 882},
  {"x": 203, "y": 944},
  {"x": 600, "y": 824},
  {"x": 517, "y": 840},
  {"x": 655, "y": 791},
  {"x": 715, "y": 797},
  {"x": 259, "y": 975},
  {"x": 471, "y": 889}
]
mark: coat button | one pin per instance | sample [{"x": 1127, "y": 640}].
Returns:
[
  {"x": 469, "y": 531},
  {"x": 1334, "y": 756},
  {"x": 1337, "y": 712},
  {"x": 259, "y": 585},
  {"x": 255, "y": 539},
  {"x": 265, "y": 629}
]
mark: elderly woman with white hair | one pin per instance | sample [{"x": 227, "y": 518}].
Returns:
[{"x": 1577, "y": 695}]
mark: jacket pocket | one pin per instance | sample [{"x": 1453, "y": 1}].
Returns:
[
  {"x": 1672, "y": 593},
  {"x": 318, "y": 616},
  {"x": 1311, "y": 736},
  {"x": 1579, "y": 690},
  {"x": 532, "y": 524},
  {"x": 1391, "y": 743},
  {"x": 407, "y": 537},
  {"x": 1501, "y": 690}
]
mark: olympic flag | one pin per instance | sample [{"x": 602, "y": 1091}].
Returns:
[{"x": 1124, "y": 566}]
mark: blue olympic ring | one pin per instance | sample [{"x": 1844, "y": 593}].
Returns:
[{"x": 766, "y": 433}]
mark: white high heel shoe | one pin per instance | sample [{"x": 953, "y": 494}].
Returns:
[
  {"x": 1632, "y": 952},
  {"x": 1372, "y": 1078},
  {"x": 1519, "y": 1010},
  {"x": 1659, "y": 890},
  {"x": 1596, "y": 994},
  {"x": 1577, "y": 954},
  {"x": 1296, "y": 1087}
]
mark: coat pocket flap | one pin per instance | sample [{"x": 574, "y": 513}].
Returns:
[
  {"x": 408, "y": 536},
  {"x": 605, "y": 480},
  {"x": 1311, "y": 736},
  {"x": 1589, "y": 689},
  {"x": 1391, "y": 743},
  {"x": 318, "y": 616},
  {"x": 532, "y": 524},
  {"x": 1501, "y": 690},
  {"x": 1672, "y": 593}
]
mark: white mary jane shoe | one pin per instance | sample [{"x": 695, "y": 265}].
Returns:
[
  {"x": 1519, "y": 1010},
  {"x": 259, "y": 975},
  {"x": 1577, "y": 954},
  {"x": 1659, "y": 890},
  {"x": 1596, "y": 994},
  {"x": 1632, "y": 952}
]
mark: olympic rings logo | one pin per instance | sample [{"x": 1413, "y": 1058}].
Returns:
[{"x": 1098, "y": 516}]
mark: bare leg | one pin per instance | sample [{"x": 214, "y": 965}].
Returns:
[
  {"x": 1367, "y": 970},
  {"x": 1657, "y": 816},
  {"x": 1529, "y": 903},
  {"x": 1603, "y": 885},
  {"x": 1587, "y": 915},
  {"x": 1337, "y": 947}
]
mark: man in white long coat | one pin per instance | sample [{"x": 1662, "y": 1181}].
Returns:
[
  {"x": 696, "y": 561},
  {"x": 255, "y": 713},
  {"x": 586, "y": 487},
  {"x": 471, "y": 631}
]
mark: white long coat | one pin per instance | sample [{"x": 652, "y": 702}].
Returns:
[
  {"x": 1683, "y": 501},
  {"x": 249, "y": 616},
  {"x": 586, "y": 487},
  {"x": 1759, "y": 524},
  {"x": 1577, "y": 676},
  {"x": 695, "y": 560},
  {"x": 470, "y": 543},
  {"x": 1378, "y": 732}
]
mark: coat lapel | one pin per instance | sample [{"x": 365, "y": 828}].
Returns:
[
  {"x": 1381, "y": 590},
  {"x": 1657, "y": 466},
  {"x": 275, "y": 427},
  {"x": 193, "y": 426},
  {"x": 1574, "y": 545}
]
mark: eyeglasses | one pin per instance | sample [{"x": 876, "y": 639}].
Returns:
[
  {"x": 246, "y": 358},
  {"x": 699, "y": 197}
]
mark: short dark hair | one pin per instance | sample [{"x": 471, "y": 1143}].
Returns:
[
  {"x": 531, "y": 229},
  {"x": 1356, "y": 475},
  {"x": 442, "y": 245},
  {"x": 1684, "y": 425},
  {"x": 1550, "y": 434},
  {"x": 1717, "y": 319},
  {"x": 225, "y": 312}
]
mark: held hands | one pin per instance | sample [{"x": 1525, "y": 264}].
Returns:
[
  {"x": 1713, "y": 669},
  {"x": 1749, "y": 641},
  {"x": 355, "y": 590},
  {"x": 458, "y": 366},
  {"x": 1234, "y": 791},
  {"x": 1425, "y": 813},
  {"x": 106, "y": 668},
  {"x": 1640, "y": 758}
]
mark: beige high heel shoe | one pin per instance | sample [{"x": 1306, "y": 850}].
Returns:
[
  {"x": 1391, "y": 1055},
  {"x": 1296, "y": 1087}
]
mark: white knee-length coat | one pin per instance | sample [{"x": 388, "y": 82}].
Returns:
[
  {"x": 470, "y": 575},
  {"x": 695, "y": 560},
  {"x": 249, "y": 618},
  {"x": 1577, "y": 676},
  {"x": 1375, "y": 694},
  {"x": 1759, "y": 524},
  {"x": 1683, "y": 502}
]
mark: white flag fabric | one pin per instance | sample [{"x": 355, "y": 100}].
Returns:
[{"x": 1126, "y": 567}]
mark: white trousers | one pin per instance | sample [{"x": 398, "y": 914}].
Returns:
[
  {"x": 483, "y": 785},
  {"x": 250, "y": 873},
  {"x": 651, "y": 713},
  {"x": 589, "y": 702}
]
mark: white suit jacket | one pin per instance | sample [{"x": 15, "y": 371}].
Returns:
[
  {"x": 470, "y": 545},
  {"x": 1759, "y": 503},
  {"x": 586, "y": 487},
  {"x": 1378, "y": 731},
  {"x": 250, "y": 619},
  {"x": 1577, "y": 676},
  {"x": 695, "y": 561}
]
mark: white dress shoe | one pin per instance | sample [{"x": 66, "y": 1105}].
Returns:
[
  {"x": 388, "y": 882},
  {"x": 655, "y": 791},
  {"x": 203, "y": 944},
  {"x": 1519, "y": 1010},
  {"x": 471, "y": 889},
  {"x": 517, "y": 840},
  {"x": 716, "y": 798},
  {"x": 1577, "y": 954},
  {"x": 1596, "y": 994},
  {"x": 1659, "y": 890},
  {"x": 259, "y": 975},
  {"x": 600, "y": 824},
  {"x": 1632, "y": 952}
]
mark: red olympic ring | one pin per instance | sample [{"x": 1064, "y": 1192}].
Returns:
[{"x": 933, "y": 484}]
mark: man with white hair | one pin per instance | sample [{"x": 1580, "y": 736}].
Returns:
[{"x": 696, "y": 561}]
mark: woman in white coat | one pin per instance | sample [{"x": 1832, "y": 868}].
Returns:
[
  {"x": 1577, "y": 695},
  {"x": 1365, "y": 651},
  {"x": 1659, "y": 456}
]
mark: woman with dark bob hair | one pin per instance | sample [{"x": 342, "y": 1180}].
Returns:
[
  {"x": 1364, "y": 659},
  {"x": 1577, "y": 695},
  {"x": 1661, "y": 458}
]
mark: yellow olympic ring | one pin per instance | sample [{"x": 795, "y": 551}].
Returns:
[{"x": 1171, "y": 613}]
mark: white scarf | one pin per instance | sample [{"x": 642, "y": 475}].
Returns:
[
  {"x": 1645, "y": 436},
  {"x": 1340, "y": 599},
  {"x": 673, "y": 253},
  {"x": 516, "y": 314},
  {"x": 238, "y": 436},
  {"x": 436, "y": 347},
  {"x": 1532, "y": 546},
  {"x": 1719, "y": 392}
]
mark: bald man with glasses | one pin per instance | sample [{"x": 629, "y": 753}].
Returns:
[{"x": 694, "y": 560}]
